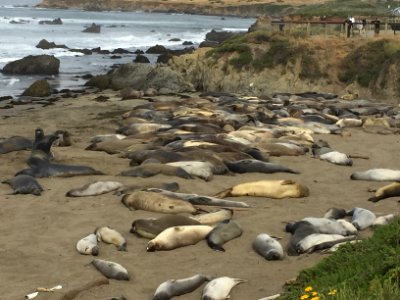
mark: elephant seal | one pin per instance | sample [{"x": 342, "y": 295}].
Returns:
[
  {"x": 94, "y": 188},
  {"x": 150, "y": 228},
  {"x": 335, "y": 213},
  {"x": 337, "y": 158},
  {"x": 299, "y": 231},
  {"x": 268, "y": 247},
  {"x": 178, "y": 236},
  {"x": 377, "y": 175},
  {"x": 156, "y": 202},
  {"x": 253, "y": 165},
  {"x": 201, "y": 169},
  {"x": 111, "y": 269},
  {"x": 387, "y": 191},
  {"x": 24, "y": 184},
  {"x": 213, "y": 217},
  {"x": 43, "y": 143},
  {"x": 106, "y": 137},
  {"x": 177, "y": 287},
  {"x": 200, "y": 199},
  {"x": 328, "y": 226},
  {"x": 111, "y": 236},
  {"x": 225, "y": 231},
  {"x": 276, "y": 189},
  {"x": 88, "y": 245},
  {"x": 220, "y": 288},
  {"x": 316, "y": 240},
  {"x": 362, "y": 218},
  {"x": 15, "y": 143},
  {"x": 383, "y": 220},
  {"x": 40, "y": 168},
  {"x": 169, "y": 186},
  {"x": 151, "y": 169}
]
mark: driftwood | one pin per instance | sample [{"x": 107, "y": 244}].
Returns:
[{"x": 72, "y": 294}]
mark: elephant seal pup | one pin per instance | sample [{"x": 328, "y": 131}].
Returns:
[
  {"x": 156, "y": 202},
  {"x": 387, "y": 191},
  {"x": 335, "y": 213},
  {"x": 111, "y": 236},
  {"x": 337, "y": 158},
  {"x": 15, "y": 143},
  {"x": 201, "y": 169},
  {"x": 111, "y": 269},
  {"x": 377, "y": 175},
  {"x": 362, "y": 218},
  {"x": 383, "y": 220},
  {"x": 88, "y": 245},
  {"x": 312, "y": 241},
  {"x": 276, "y": 189},
  {"x": 268, "y": 247},
  {"x": 253, "y": 165},
  {"x": 328, "y": 226},
  {"x": 177, "y": 287},
  {"x": 24, "y": 184},
  {"x": 95, "y": 188},
  {"x": 225, "y": 231},
  {"x": 220, "y": 288},
  {"x": 151, "y": 169},
  {"x": 178, "y": 236},
  {"x": 213, "y": 217},
  {"x": 299, "y": 231},
  {"x": 150, "y": 228}
]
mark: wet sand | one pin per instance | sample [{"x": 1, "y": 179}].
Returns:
[{"x": 38, "y": 234}]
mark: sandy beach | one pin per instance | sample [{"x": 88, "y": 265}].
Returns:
[{"x": 38, "y": 234}]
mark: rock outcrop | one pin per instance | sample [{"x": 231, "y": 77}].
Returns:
[
  {"x": 44, "y": 44},
  {"x": 94, "y": 28},
  {"x": 56, "y": 21},
  {"x": 33, "y": 64},
  {"x": 40, "y": 88}
]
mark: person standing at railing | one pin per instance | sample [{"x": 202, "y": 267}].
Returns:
[{"x": 377, "y": 26}]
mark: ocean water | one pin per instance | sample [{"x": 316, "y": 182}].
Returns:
[{"x": 20, "y": 32}]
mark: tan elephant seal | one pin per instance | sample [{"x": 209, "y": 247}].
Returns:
[
  {"x": 156, "y": 202},
  {"x": 387, "y": 191},
  {"x": 111, "y": 269},
  {"x": 276, "y": 189},
  {"x": 111, "y": 236},
  {"x": 214, "y": 217},
  {"x": 178, "y": 236},
  {"x": 95, "y": 188},
  {"x": 220, "y": 288},
  {"x": 88, "y": 245}
]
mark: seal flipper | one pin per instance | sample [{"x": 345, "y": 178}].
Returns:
[
  {"x": 214, "y": 246},
  {"x": 376, "y": 198},
  {"x": 223, "y": 194}
]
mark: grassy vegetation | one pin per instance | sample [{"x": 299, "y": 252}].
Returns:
[
  {"x": 366, "y": 270},
  {"x": 366, "y": 63},
  {"x": 343, "y": 8},
  {"x": 280, "y": 51}
]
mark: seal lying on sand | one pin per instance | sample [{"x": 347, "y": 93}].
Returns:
[
  {"x": 151, "y": 169},
  {"x": 150, "y": 228},
  {"x": 156, "y": 202},
  {"x": 387, "y": 191},
  {"x": 225, "y": 231},
  {"x": 24, "y": 184},
  {"x": 95, "y": 188},
  {"x": 377, "y": 175},
  {"x": 276, "y": 189},
  {"x": 268, "y": 247},
  {"x": 169, "y": 186},
  {"x": 362, "y": 218},
  {"x": 41, "y": 168},
  {"x": 43, "y": 143},
  {"x": 177, "y": 287},
  {"x": 200, "y": 169},
  {"x": 253, "y": 165},
  {"x": 178, "y": 236},
  {"x": 213, "y": 217},
  {"x": 15, "y": 143},
  {"x": 88, "y": 245},
  {"x": 111, "y": 269},
  {"x": 111, "y": 236},
  {"x": 220, "y": 288}
]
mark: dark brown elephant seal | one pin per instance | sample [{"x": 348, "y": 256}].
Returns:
[
  {"x": 151, "y": 169},
  {"x": 15, "y": 143},
  {"x": 150, "y": 228}
]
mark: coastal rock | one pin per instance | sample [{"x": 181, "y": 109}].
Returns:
[
  {"x": 219, "y": 36},
  {"x": 138, "y": 51},
  {"x": 94, "y": 28},
  {"x": 84, "y": 51},
  {"x": 33, "y": 64},
  {"x": 44, "y": 44},
  {"x": 131, "y": 93},
  {"x": 157, "y": 49},
  {"x": 164, "y": 58},
  {"x": 100, "y": 81},
  {"x": 187, "y": 43},
  {"x": 56, "y": 21},
  {"x": 262, "y": 23},
  {"x": 120, "y": 51},
  {"x": 40, "y": 88},
  {"x": 208, "y": 44},
  {"x": 143, "y": 77},
  {"x": 141, "y": 59}
]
